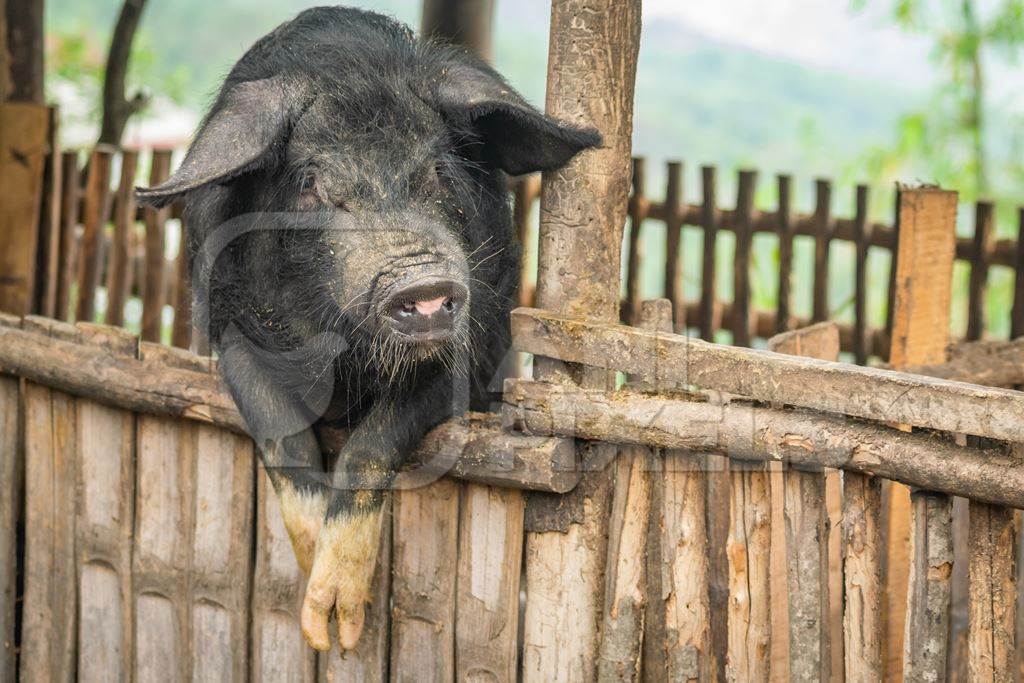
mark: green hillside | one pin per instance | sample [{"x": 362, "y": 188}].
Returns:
[{"x": 696, "y": 99}]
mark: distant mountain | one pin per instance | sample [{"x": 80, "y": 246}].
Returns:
[{"x": 697, "y": 99}]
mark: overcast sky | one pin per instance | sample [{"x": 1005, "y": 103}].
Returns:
[{"x": 824, "y": 33}]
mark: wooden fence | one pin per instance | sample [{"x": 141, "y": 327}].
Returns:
[
  {"x": 108, "y": 244},
  {"x": 153, "y": 548}
]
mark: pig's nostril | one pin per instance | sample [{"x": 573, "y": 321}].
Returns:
[{"x": 449, "y": 305}]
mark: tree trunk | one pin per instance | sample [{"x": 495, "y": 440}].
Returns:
[
  {"x": 23, "y": 58},
  {"x": 117, "y": 108},
  {"x": 460, "y": 22}
]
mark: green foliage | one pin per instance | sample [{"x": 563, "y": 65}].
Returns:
[{"x": 950, "y": 140}]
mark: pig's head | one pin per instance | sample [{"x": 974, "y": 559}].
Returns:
[{"x": 382, "y": 162}]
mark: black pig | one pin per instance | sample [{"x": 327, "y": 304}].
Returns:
[{"x": 351, "y": 246}]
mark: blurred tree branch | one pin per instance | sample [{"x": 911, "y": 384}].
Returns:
[{"x": 117, "y": 107}]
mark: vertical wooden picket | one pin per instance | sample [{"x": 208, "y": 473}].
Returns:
[
  {"x": 48, "y": 648},
  {"x": 744, "y": 230},
  {"x": 487, "y": 586},
  {"x": 977, "y": 286},
  {"x": 11, "y": 475},
  {"x": 90, "y": 268},
  {"x": 673, "y": 286},
  {"x": 279, "y": 653},
  {"x": 823, "y": 228},
  {"x": 69, "y": 209},
  {"x": 709, "y": 223},
  {"x": 118, "y": 271},
  {"x": 920, "y": 333},
  {"x": 153, "y": 288},
  {"x": 424, "y": 565},
  {"x": 784, "y": 230},
  {"x": 807, "y": 534},
  {"x": 105, "y": 458}
]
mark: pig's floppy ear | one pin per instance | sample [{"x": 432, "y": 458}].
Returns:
[
  {"x": 247, "y": 123},
  {"x": 516, "y": 137}
]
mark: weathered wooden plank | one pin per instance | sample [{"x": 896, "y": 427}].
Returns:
[
  {"x": 90, "y": 267},
  {"x": 741, "y": 260},
  {"x": 863, "y": 545},
  {"x": 978, "y": 283},
  {"x": 12, "y": 466},
  {"x": 50, "y": 605},
  {"x": 921, "y": 296},
  {"x": 785, "y": 234},
  {"x": 153, "y": 286},
  {"x": 118, "y": 280},
  {"x": 927, "y": 620},
  {"x": 707, "y": 271},
  {"x": 104, "y": 525},
  {"x": 618, "y": 656},
  {"x": 993, "y": 594},
  {"x": 162, "y": 553},
  {"x": 221, "y": 554},
  {"x": 807, "y": 529},
  {"x": 487, "y": 584},
  {"x": 765, "y": 376},
  {"x": 750, "y": 599},
  {"x": 279, "y": 652},
  {"x": 24, "y": 129},
  {"x": 676, "y": 625},
  {"x": 750, "y": 432},
  {"x": 424, "y": 567}
]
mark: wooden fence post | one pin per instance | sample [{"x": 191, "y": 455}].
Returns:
[
  {"x": 591, "y": 75},
  {"x": 920, "y": 334},
  {"x": 24, "y": 133}
]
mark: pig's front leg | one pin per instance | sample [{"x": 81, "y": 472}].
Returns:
[
  {"x": 346, "y": 550},
  {"x": 280, "y": 426}
]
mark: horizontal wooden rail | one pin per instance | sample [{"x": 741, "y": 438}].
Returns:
[
  {"x": 871, "y": 393},
  {"x": 745, "y": 431},
  {"x": 162, "y": 380},
  {"x": 990, "y": 363},
  {"x": 1001, "y": 252}
]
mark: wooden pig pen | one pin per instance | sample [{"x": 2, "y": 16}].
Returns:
[{"x": 724, "y": 514}]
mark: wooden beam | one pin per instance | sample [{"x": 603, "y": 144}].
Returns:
[
  {"x": 591, "y": 73},
  {"x": 750, "y": 432},
  {"x": 993, "y": 594},
  {"x": 852, "y": 390},
  {"x": 474, "y": 449},
  {"x": 11, "y": 475}
]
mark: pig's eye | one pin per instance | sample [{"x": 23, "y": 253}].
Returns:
[{"x": 309, "y": 195}]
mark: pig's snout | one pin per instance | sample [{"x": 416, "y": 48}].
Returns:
[{"x": 427, "y": 310}]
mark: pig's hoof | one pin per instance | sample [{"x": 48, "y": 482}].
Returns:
[
  {"x": 303, "y": 516},
  {"x": 346, "y": 554}
]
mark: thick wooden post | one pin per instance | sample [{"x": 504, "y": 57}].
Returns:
[
  {"x": 591, "y": 74},
  {"x": 920, "y": 334}
]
